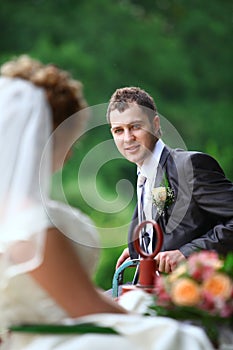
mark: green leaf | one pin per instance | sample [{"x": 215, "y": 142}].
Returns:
[
  {"x": 62, "y": 329},
  {"x": 228, "y": 265}
]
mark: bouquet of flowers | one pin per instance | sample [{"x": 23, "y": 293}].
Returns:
[{"x": 200, "y": 290}]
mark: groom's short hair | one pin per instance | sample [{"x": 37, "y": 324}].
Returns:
[{"x": 122, "y": 97}]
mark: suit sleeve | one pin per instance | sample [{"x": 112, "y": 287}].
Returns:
[{"x": 213, "y": 195}]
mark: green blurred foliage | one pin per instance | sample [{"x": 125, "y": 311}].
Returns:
[{"x": 179, "y": 51}]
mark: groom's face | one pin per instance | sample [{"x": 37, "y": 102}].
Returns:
[{"x": 134, "y": 133}]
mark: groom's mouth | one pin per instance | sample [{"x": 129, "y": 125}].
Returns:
[{"x": 132, "y": 149}]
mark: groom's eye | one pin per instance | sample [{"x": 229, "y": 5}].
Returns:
[
  {"x": 136, "y": 126},
  {"x": 118, "y": 131}
]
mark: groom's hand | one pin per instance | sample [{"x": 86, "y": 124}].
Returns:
[
  {"x": 123, "y": 257},
  {"x": 167, "y": 261}
]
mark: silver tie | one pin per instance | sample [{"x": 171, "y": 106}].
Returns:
[{"x": 145, "y": 236}]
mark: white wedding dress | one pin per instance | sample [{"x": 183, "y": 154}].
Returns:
[{"x": 23, "y": 301}]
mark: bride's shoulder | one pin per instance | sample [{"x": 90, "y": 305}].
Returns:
[
  {"x": 78, "y": 227},
  {"x": 70, "y": 220}
]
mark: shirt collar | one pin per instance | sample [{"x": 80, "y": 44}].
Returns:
[{"x": 149, "y": 166}]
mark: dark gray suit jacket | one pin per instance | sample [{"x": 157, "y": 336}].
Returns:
[{"x": 201, "y": 215}]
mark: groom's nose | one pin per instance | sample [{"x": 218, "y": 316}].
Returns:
[{"x": 128, "y": 135}]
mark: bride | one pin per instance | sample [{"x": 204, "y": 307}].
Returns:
[
  {"x": 48, "y": 250},
  {"x": 42, "y": 276}
]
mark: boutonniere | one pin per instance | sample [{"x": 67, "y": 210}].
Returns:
[{"x": 163, "y": 196}]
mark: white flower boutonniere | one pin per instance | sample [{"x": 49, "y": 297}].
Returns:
[{"x": 163, "y": 196}]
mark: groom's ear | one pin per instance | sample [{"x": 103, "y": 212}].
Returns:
[{"x": 156, "y": 123}]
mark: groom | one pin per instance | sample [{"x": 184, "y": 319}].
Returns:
[{"x": 197, "y": 213}]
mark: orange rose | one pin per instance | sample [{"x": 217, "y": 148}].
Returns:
[
  {"x": 218, "y": 285},
  {"x": 185, "y": 292}
]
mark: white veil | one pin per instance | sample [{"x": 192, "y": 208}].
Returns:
[{"x": 25, "y": 127}]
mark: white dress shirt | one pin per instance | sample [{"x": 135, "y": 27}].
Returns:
[{"x": 149, "y": 170}]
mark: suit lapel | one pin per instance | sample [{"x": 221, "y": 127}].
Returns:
[
  {"x": 159, "y": 176},
  {"x": 160, "y": 170}
]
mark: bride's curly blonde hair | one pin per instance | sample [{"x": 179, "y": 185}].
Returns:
[{"x": 65, "y": 95}]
